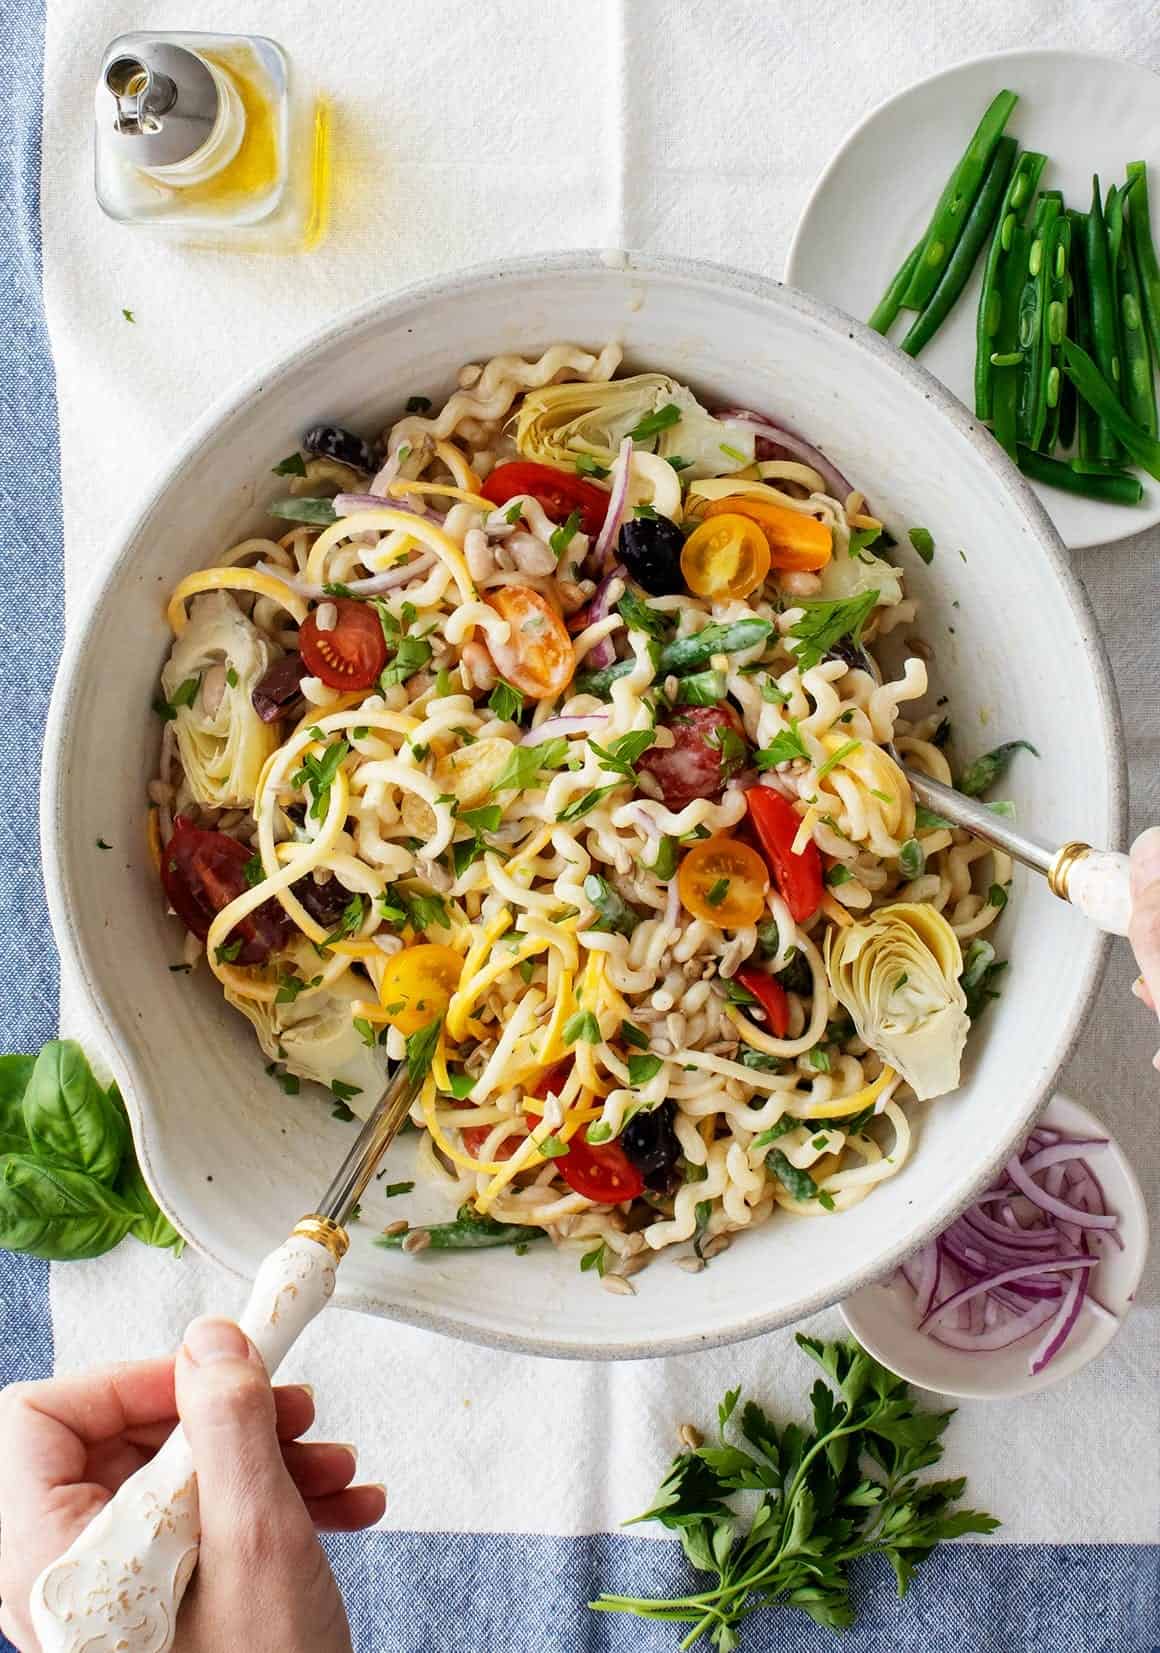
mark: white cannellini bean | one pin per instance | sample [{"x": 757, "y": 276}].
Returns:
[
  {"x": 798, "y": 583},
  {"x": 326, "y": 616},
  {"x": 478, "y": 554},
  {"x": 531, "y": 555},
  {"x": 317, "y": 692}
]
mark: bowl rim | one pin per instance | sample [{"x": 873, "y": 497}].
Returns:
[{"x": 60, "y": 877}]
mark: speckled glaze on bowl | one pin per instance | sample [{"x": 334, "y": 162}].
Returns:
[{"x": 1016, "y": 648}]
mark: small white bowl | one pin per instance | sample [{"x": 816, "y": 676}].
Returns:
[{"x": 881, "y": 1316}]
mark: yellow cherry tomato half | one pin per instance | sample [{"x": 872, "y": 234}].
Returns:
[
  {"x": 538, "y": 656},
  {"x": 417, "y": 985},
  {"x": 724, "y": 882},
  {"x": 728, "y": 557},
  {"x": 797, "y": 542}
]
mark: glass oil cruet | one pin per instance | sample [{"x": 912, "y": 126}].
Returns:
[{"x": 198, "y": 134}]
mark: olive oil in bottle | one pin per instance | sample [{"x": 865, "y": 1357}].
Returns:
[{"x": 199, "y": 136}]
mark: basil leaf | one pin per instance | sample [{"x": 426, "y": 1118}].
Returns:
[
  {"x": 977, "y": 777},
  {"x": 15, "y": 1072},
  {"x": 643, "y": 1068},
  {"x": 70, "y": 1119},
  {"x": 317, "y": 511},
  {"x": 583, "y": 1025},
  {"x": 56, "y": 1212},
  {"x": 150, "y": 1225}
]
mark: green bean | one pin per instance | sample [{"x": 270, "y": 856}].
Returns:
[
  {"x": 1147, "y": 265},
  {"x": 1005, "y": 390},
  {"x": 1094, "y": 388},
  {"x": 1087, "y": 424},
  {"x": 1102, "y": 313},
  {"x": 1113, "y": 487},
  {"x": 1011, "y": 214},
  {"x": 1054, "y": 330},
  {"x": 1031, "y": 412},
  {"x": 1139, "y": 386},
  {"x": 962, "y": 261},
  {"x": 955, "y": 202},
  {"x": 467, "y": 1234},
  {"x": 885, "y": 312},
  {"x": 682, "y": 656}
]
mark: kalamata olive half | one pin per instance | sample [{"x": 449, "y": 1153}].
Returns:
[
  {"x": 278, "y": 688},
  {"x": 651, "y": 1144},
  {"x": 650, "y": 548},
  {"x": 333, "y": 442},
  {"x": 325, "y": 903},
  {"x": 851, "y": 654}
]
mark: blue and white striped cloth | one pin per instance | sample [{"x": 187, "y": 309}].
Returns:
[{"x": 693, "y": 129}]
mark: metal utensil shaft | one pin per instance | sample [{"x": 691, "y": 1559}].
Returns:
[
  {"x": 982, "y": 822},
  {"x": 357, "y": 1169}
]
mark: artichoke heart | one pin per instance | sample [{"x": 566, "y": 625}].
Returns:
[
  {"x": 315, "y": 1036},
  {"x": 562, "y": 421},
  {"x": 222, "y": 741},
  {"x": 897, "y": 973},
  {"x": 844, "y": 577}
]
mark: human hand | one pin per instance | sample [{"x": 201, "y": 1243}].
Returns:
[
  {"x": 1144, "y": 930},
  {"x": 263, "y": 1582}
]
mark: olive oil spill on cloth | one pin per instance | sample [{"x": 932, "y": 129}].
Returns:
[{"x": 467, "y": 133}]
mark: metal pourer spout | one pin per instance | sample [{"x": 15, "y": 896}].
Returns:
[{"x": 142, "y": 95}]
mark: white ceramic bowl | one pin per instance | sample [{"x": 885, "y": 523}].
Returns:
[
  {"x": 1016, "y": 648},
  {"x": 882, "y": 1318}
]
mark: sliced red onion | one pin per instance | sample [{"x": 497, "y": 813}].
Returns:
[
  {"x": 585, "y": 724},
  {"x": 1065, "y": 1319},
  {"x": 1058, "y": 1208},
  {"x": 1060, "y": 1151},
  {"x": 348, "y": 505},
  {"x": 602, "y": 653},
  {"x": 372, "y": 586},
  {"x": 789, "y": 443},
  {"x": 1023, "y": 1258},
  {"x": 618, "y": 486},
  {"x": 969, "y": 1293}
]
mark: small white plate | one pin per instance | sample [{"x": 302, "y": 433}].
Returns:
[
  {"x": 881, "y": 1317},
  {"x": 1087, "y": 113}
]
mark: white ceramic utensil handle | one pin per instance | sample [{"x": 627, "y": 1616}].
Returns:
[
  {"x": 1098, "y": 885},
  {"x": 119, "y": 1585}
]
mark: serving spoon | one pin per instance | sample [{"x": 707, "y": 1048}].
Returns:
[
  {"x": 1094, "y": 880},
  {"x": 118, "y": 1586}
]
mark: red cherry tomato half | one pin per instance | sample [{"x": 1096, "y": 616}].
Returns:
[
  {"x": 474, "y": 1136},
  {"x": 600, "y": 1171},
  {"x": 350, "y": 656},
  {"x": 203, "y": 872},
  {"x": 798, "y": 877},
  {"x": 770, "y": 995},
  {"x": 558, "y": 493}
]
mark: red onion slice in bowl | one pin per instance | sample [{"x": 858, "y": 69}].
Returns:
[
  {"x": 789, "y": 445},
  {"x": 618, "y": 486}
]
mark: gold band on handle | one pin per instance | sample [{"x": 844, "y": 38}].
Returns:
[
  {"x": 324, "y": 1232},
  {"x": 1062, "y": 863}
]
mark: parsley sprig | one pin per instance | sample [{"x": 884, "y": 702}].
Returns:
[{"x": 818, "y": 1510}]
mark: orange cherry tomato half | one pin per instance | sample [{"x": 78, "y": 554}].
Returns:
[
  {"x": 352, "y": 654},
  {"x": 728, "y": 557},
  {"x": 538, "y": 656},
  {"x": 797, "y": 542},
  {"x": 724, "y": 882},
  {"x": 417, "y": 985}
]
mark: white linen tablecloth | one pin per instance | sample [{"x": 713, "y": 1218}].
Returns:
[{"x": 465, "y": 133}]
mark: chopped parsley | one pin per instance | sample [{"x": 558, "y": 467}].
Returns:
[
  {"x": 652, "y": 423},
  {"x": 506, "y": 702},
  {"x": 735, "y": 454},
  {"x": 623, "y": 752},
  {"x": 638, "y": 616},
  {"x": 838, "y": 874},
  {"x": 526, "y": 762},
  {"x": 561, "y": 538},
  {"x": 586, "y": 465},
  {"x": 394, "y": 1189},
  {"x": 582, "y": 1026},
  {"x": 228, "y": 953},
  {"x": 289, "y": 987},
  {"x": 923, "y": 542},
  {"x": 643, "y": 1068},
  {"x": 835, "y": 758},
  {"x": 253, "y": 871},
  {"x": 784, "y": 747},
  {"x": 861, "y": 539},
  {"x": 335, "y": 588},
  {"x": 717, "y": 892},
  {"x": 825, "y": 623},
  {"x": 588, "y": 801},
  {"x": 633, "y": 1035},
  {"x": 318, "y": 773},
  {"x": 411, "y": 655},
  {"x": 421, "y": 1048},
  {"x": 594, "y": 1259}
]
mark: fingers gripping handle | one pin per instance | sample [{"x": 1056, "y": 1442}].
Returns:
[
  {"x": 119, "y": 1585},
  {"x": 1098, "y": 885}
]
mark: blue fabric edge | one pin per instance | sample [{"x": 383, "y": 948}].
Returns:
[{"x": 457, "y": 1592}]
